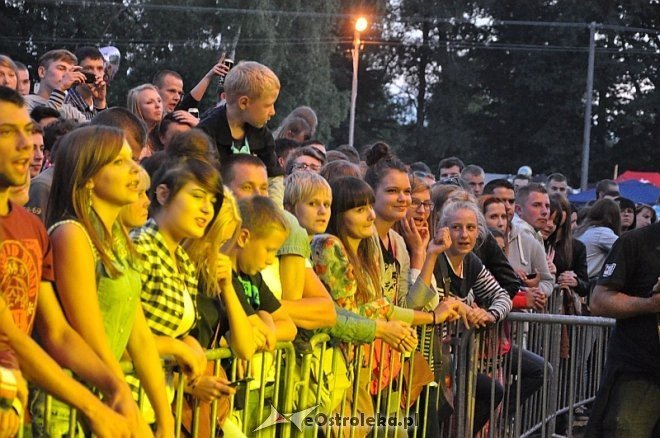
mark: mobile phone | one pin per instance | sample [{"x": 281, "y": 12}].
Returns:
[
  {"x": 194, "y": 112},
  {"x": 236, "y": 383},
  {"x": 90, "y": 78},
  {"x": 532, "y": 276}
]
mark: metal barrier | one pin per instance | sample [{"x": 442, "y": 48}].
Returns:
[{"x": 336, "y": 388}]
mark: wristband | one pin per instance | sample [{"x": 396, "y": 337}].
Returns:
[{"x": 433, "y": 315}]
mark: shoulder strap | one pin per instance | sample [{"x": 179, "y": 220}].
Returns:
[{"x": 79, "y": 225}]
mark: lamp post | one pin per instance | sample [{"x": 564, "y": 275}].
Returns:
[{"x": 360, "y": 26}]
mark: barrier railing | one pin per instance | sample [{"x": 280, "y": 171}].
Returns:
[{"x": 522, "y": 376}]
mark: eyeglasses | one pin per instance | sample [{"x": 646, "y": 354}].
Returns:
[
  {"x": 305, "y": 166},
  {"x": 428, "y": 206}
]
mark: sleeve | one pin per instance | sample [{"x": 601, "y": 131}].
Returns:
[
  {"x": 335, "y": 272},
  {"x": 56, "y": 101},
  {"x": 38, "y": 201},
  {"x": 268, "y": 302},
  {"x": 579, "y": 266},
  {"x": 297, "y": 242},
  {"x": 617, "y": 265},
  {"x": 496, "y": 262},
  {"x": 351, "y": 327},
  {"x": 242, "y": 298},
  {"x": 186, "y": 102},
  {"x": 540, "y": 263},
  {"x": 489, "y": 293},
  {"x": 276, "y": 190}
]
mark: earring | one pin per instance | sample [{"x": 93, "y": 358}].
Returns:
[{"x": 89, "y": 194}]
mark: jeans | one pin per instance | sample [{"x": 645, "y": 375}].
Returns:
[{"x": 529, "y": 376}]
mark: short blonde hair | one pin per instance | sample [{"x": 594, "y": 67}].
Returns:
[
  {"x": 300, "y": 186},
  {"x": 251, "y": 79}
]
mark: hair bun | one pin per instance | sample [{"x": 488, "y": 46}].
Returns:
[{"x": 377, "y": 152}]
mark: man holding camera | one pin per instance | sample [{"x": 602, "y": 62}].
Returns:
[
  {"x": 57, "y": 73},
  {"x": 89, "y": 96}
]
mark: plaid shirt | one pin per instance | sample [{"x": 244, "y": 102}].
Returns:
[
  {"x": 163, "y": 285},
  {"x": 74, "y": 98}
]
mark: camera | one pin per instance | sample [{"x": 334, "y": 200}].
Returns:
[{"x": 90, "y": 78}]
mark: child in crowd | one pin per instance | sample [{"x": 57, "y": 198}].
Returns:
[
  {"x": 135, "y": 214},
  {"x": 96, "y": 267}
]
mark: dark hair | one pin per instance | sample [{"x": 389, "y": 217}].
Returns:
[
  {"x": 490, "y": 187},
  {"x": 54, "y": 132},
  {"x": 351, "y": 153},
  {"x": 307, "y": 151},
  {"x": 381, "y": 160},
  {"x": 88, "y": 52},
  {"x": 335, "y": 155},
  {"x": 472, "y": 169},
  {"x": 561, "y": 237},
  {"x": 603, "y": 186},
  {"x": 175, "y": 173},
  {"x": 603, "y": 213},
  {"x": 285, "y": 145},
  {"x": 559, "y": 177},
  {"x": 41, "y": 112},
  {"x": 160, "y": 75},
  {"x": 347, "y": 193},
  {"x": 333, "y": 170},
  {"x": 20, "y": 65},
  {"x": 625, "y": 203},
  {"x": 419, "y": 166},
  {"x": 8, "y": 95},
  {"x": 448, "y": 162},
  {"x": 193, "y": 143},
  {"x": 292, "y": 127},
  {"x": 134, "y": 128},
  {"x": 228, "y": 164}
]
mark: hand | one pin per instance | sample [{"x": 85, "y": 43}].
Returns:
[
  {"x": 190, "y": 357},
  {"x": 99, "y": 91},
  {"x": 209, "y": 388},
  {"x": 417, "y": 238},
  {"x": 441, "y": 241},
  {"x": 223, "y": 267},
  {"x": 165, "y": 430},
  {"x": 185, "y": 117},
  {"x": 551, "y": 265},
  {"x": 539, "y": 299},
  {"x": 264, "y": 337},
  {"x": 529, "y": 282},
  {"x": 121, "y": 401},
  {"x": 107, "y": 423},
  {"x": 9, "y": 423},
  {"x": 71, "y": 78},
  {"x": 568, "y": 279},
  {"x": 219, "y": 69},
  {"x": 461, "y": 309},
  {"x": 394, "y": 333},
  {"x": 479, "y": 317},
  {"x": 447, "y": 310}
]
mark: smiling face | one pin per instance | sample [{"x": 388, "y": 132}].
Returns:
[
  {"x": 464, "y": 230},
  {"x": 496, "y": 216},
  {"x": 358, "y": 222},
  {"x": 15, "y": 145},
  {"x": 188, "y": 213},
  {"x": 258, "y": 111},
  {"x": 392, "y": 196},
  {"x": 150, "y": 106},
  {"x": 549, "y": 227},
  {"x": 116, "y": 183},
  {"x": 313, "y": 213},
  {"x": 257, "y": 252}
]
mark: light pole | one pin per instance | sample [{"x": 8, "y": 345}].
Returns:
[{"x": 360, "y": 25}]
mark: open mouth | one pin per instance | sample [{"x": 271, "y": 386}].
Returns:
[{"x": 201, "y": 222}]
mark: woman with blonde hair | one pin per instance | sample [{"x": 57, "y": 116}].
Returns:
[{"x": 145, "y": 102}]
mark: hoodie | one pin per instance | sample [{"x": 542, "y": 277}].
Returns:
[{"x": 526, "y": 253}]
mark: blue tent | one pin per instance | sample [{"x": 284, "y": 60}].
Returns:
[{"x": 634, "y": 190}]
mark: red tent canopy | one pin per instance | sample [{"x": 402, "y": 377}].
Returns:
[{"x": 650, "y": 177}]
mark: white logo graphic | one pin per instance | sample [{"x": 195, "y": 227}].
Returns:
[
  {"x": 609, "y": 269},
  {"x": 295, "y": 418}
]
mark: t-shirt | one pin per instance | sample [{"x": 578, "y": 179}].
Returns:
[
  {"x": 26, "y": 259},
  {"x": 633, "y": 267},
  {"x": 254, "y": 294}
]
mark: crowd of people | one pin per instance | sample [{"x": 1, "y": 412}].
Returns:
[{"x": 142, "y": 231}]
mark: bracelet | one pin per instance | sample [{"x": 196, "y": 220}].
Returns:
[{"x": 433, "y": 315}]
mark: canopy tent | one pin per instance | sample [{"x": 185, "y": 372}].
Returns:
[
  {"x": 645, "y": 193},
  {"x": 645, "y": 177}
]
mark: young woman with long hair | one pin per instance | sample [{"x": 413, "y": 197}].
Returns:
[
  {"x": 96, "y": 266},
  {"x": 145, "y": 102},
  {"x": 598, "y": 231}
]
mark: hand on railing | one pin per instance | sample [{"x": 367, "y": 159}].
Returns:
[
  {"x": 191, "y": 358},
  {"x": 123, "y": 403},
  {"x": 106, "y": 423},
  {"x": 209, "y": 388},
  {"x": 479, "y": 317},
  {"x": 398, "y": 334},
  {"x": 9, "y": 423},
  {"x": 536, "y": 299},
  {"x": 567, "y": 279}
]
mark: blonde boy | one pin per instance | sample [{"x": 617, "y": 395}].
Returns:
[{"x": 308, "y": 197}]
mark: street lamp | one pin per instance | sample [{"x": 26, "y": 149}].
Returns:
[{"x": 360, "y": 26}]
